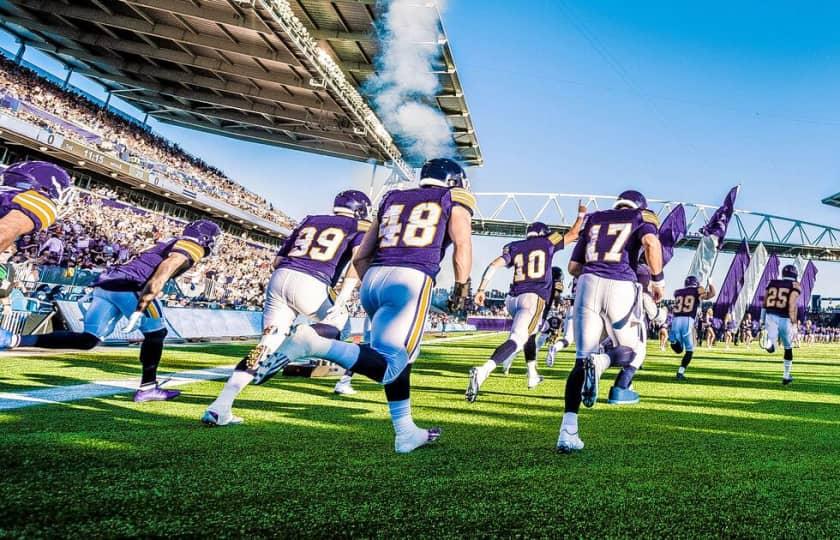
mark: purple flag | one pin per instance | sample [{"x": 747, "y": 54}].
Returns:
[
  {"x": 733, "y": 282},
  {"x": 719, "y": 221},
  {"x": 771, "y": 272},
  {"x": 671, "y": 231},
  {"x": 809, "y": 277}
]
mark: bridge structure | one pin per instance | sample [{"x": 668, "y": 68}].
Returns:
[{"x": 506, "y": 214}]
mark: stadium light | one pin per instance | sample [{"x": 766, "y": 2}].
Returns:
[{"x": 42, "y": 148}]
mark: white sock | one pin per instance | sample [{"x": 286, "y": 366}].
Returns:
[
  {"x": 487, "y": 368},
  {"x": 788, "y": 368},
  {"x": 602, "y": 362},
  {"x": 570, "y": 423},
  {"x": 345, "y": 379},
  {"x": 272, "y": 339},
  {"x": 681, "y": 370},
  {"x": 401, "y": 416},
  {"x": 237, "y": 381},
  {"x": 532, "y": 369}
]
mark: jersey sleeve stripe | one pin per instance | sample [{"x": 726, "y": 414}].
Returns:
[
  {"x": 194, "y": 251},
  {"x": 555, "y": 238},
  {"x": 464, "y": 197},
  {"x": 39, "y": 205},
  {"x": 363, "y": 226}
]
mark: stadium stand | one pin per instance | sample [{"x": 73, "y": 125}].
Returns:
[{"x": 35, "y": 99}]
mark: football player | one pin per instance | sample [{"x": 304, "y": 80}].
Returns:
[
  {"x": 530, "y": 291},
  {"x": 311, "y": 261},
  {"x": 686, "y": 304},
  {"x": 779, "y": 314},
  {"x": 608, "y": 297},
  {"x": 398, "y": 260},
  {"x": 31, "y": 196},
  {"x": 130, "y": 290},
  {"x": 552, "y": 324}
]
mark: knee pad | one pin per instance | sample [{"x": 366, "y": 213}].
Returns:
[
  {"x": 677, "y": 347},
  {"x": 155, "y": 337},
  {"x": 788, "y": 354},
  {"x": 400, "y": 388},
  {"x": 621, "y": 356}
]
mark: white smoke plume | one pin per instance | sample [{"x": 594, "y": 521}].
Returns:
[{"x": 405, "y": 85}]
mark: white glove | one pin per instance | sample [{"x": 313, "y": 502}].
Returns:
[{"x": 133, "y": 322}]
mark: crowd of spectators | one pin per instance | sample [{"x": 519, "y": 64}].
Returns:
[
  {"x": 99, "y": 231},
  {"x": 37, "y": 100}
]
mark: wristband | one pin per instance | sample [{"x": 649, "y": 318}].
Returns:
[
  {"x": 656, "y": 278},
  {"x": 581, "y": 214}
]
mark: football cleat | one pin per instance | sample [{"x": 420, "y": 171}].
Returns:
[
  {"x": 472, "y": 387},
  {"x": 269, "y": 367},
  {"x": 589, "y": 392},
  {"x": 680, "y": 376},
  {"x": 298, "y": 344},
  {"x": 344, "y": 389},
  {"x": 568, "y": 442},
  {"x": 534, "y": 381},
  {"x": 217, "y": 419},
  {"x": 255, "y": 357},
  {"x": 771, "y": 349},
  {"x": 549, "y": 358},
  {"x": 623, "y": 396},
  {"x": 403, "y": 444},
  {"x": 786, "y": 381},
  {"x": 156, "y": 393}
]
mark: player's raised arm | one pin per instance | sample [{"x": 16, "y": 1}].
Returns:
[
  {"x": 491, "y": 269},
  {"x": 574, "y": 232},
  {"x": 460, "y": 231},
  {"x": 653, "y": 256},
  {"x": 367, "y": 249},
  {"x": 709, "y": 292}
]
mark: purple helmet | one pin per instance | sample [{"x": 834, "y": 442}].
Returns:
[
  {"x": 537, "y": 228},
  {"x": 631, "y": 199},
  {"x": 42, "y": 176},
  {"x": 443, "y": 172},
  {"x": 692, "y": 281},
  {"x": 352, "y": 201},
  {"x": 204, "y": 232},
  {"x": 556, "y": 273},
  {"x": 790, "y": 272}
]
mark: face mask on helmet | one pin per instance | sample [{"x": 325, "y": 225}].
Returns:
[
  {"x": 536, "y": 228},
  {"x": 354, "y": 203},
  {"x": 205, "y": 233},
  {"x": 43, "y": 177},
  {"x": 443, "y": 172},
  {"x": 631, "y": 199}
]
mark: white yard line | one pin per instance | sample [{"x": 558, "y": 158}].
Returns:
[{"x": 76, "y": 392}]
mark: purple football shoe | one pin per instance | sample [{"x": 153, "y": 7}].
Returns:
[{"x": 156, "y": 393}]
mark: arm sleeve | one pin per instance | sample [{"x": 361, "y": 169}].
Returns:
[
  {"x": 192, "y": 251},
  {"x": 579, "y": 252},
  {"x": 464, "y": 198}
]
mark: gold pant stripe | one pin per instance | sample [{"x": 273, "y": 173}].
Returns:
[{"x": 419, "y": 317}]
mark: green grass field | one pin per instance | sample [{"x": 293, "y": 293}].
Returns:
[{"x": 728, "y": 453}]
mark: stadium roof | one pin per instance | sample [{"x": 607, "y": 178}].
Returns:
[
  {"x": 252, "y": 69},
  {"x": 834, "y": 200}
]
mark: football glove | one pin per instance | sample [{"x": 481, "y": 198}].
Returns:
[{"x": 458, "y": 297}]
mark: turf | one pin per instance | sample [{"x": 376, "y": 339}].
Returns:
[{"x": 727, "y": 453}]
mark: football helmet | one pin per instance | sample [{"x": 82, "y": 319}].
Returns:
[
  {"x": 353, "y": 201},
  {"x": 631, "y": 199},
  {"x": 790, "y": 272},
  {"x": 692, "y": 281},
  {"x": 443, "y": 172},
  {"x": 537, "y": 228},
  {"x": 204, "y": 232},
  {"x": 556, "y": 273},
  {"x": 42, "y": 176}
]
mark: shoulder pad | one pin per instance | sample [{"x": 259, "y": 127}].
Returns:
[
  {"x": 363, "y": 225},
  {"x": 194, "y": 251},
  {"x": 464, "y": 198},
  {"x": 650, "y": 217}
]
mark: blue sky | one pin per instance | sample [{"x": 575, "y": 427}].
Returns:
[{"x": 680, "y": 100}]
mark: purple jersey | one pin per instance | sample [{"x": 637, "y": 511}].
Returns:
[
  {"x": 611, "y": 240},
  {"x": 36, "y": 206},
  {"x": 321, "y": 246},
  {"x": 414, "y": 227},
  {"x": 133, "y": 275},
  {"x": 686, "y": 302},
  {"x": 531, "y": 262},
  {"x": 777, "y": 297}
]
